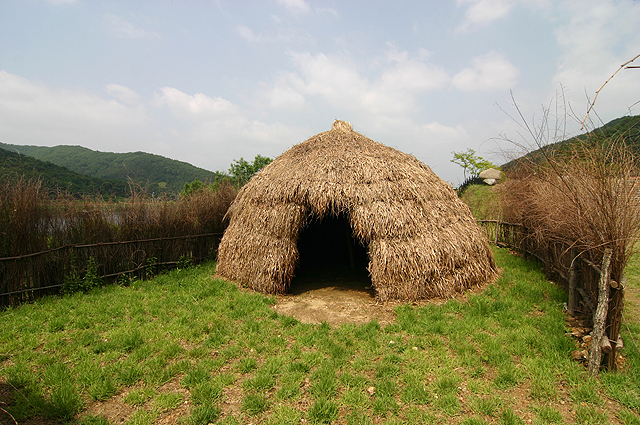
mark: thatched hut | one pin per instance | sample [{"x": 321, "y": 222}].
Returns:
[{"x": 420, "y": 240}]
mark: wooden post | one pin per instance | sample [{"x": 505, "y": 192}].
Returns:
[
  {"x": 497, "y": 229},
  {"x": 614, "y": 319},
  {"x": 572, "y": 282},
  {"x": 600, "y": 315}
]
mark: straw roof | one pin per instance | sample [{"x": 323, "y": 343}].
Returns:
[{"x": 422, "y": 240}]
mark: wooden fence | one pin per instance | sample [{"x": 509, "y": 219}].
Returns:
[
  {"x": 594, "y": 283},
  {"x": 26, "y": 277}
]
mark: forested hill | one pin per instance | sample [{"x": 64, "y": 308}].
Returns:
[
  {"x": 55, "y": 177},
  {"x": 154, "y": 173},
  {"x": 626, "y": 129}
]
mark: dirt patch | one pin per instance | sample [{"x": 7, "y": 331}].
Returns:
[
  {"x": 114, "y": 409},
  {"x": 338, "y": 296},
  {"x": 335, "y": 297}
]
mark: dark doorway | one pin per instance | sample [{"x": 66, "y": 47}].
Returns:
[{"x": 330, "y": 256}]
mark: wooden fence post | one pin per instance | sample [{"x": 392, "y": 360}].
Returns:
[
  {"x": 614, "y": 319},
  {"x": 600, "y": 315},
  {"x": 572, "y": 282}
]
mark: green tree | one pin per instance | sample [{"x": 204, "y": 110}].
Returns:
[
  {"x": 472, "y": 163},
  {"x": 191, "y": 188},
  {"x": 242, "y": 170}
]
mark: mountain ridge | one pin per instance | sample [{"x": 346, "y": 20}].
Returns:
[
  {"x": 626, "y": 128},
  {"x": 57, "y": 178},
  {"x": 153, "y": 172}
]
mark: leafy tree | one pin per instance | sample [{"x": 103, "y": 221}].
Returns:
[
  {"x": 242, "y": 170},
  {"x": 472, "y": 163},
  {"x": 191, "y": 188}
]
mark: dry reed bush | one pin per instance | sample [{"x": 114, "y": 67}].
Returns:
[
  {"x": 205, "y": 210},
  {"x": 25, "y": 215},
  {"x": 585, "y": 195},
  {"x": 423, "y": 241},
  {"x": 65, "y": 235},
  {"x": 199, "y": 213},
  {"x": 83, "y": 221}
]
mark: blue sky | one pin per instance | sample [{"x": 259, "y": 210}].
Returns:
[{"x": 208, "y": 82}]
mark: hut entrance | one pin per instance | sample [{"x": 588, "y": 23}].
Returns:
[{"x": 331, "y": 256}]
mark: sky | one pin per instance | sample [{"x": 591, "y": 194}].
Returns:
[{"x": 210, "y": 82}]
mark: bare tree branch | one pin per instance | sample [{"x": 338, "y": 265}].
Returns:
[{"x": 623, "y": 66}]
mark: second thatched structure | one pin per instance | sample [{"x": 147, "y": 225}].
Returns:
[{"x": 422, "y": 240}]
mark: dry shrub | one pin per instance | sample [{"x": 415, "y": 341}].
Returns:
[
  {"x": 24, "y": 216},
  {"x": 205, "y": 210},
  {"x": 585, "y": 195},
  {"x": 199, "y": 213}
]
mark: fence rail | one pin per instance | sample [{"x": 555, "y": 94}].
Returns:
[
  {"x": 594, "y": 291},
  {"x": 26, "y": 277}
]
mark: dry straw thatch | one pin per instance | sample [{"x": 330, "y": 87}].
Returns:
[{"x": 422, "y": 240}]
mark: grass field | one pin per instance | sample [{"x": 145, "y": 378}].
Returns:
[{"x": 186, "y": 348}]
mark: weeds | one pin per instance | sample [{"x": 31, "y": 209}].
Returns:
[
  {"x": 255, "y": 403},
  {"x": 323, "y": 411}
]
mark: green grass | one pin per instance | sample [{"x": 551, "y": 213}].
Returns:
[
  {"x": 483, "y": 201},
  {"x": 184, "y": 343}
]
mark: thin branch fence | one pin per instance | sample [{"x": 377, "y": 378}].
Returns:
[{"x": 30, "y": 276}]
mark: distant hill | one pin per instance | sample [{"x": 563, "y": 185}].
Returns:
[
  {"x": 55, "y": 177},
  {"x": 155, "y": 173},
  {"x": 626, "y": 128}
]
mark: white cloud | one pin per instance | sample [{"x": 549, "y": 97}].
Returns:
[
  {"x": 125, "y": 29},
  {"x": 286, "y": 98},
  {"x": 248, "y": 34},
  {"x": 403, "y": 128},
  {"x": 413, "y": 75},
  {"x": 296, "y": 6},
  {"x": 279, "y": 35},
  {"x": 123, "y": 94},
  {"x": 337, "y": 81},
  {"x": 483, "y": 12},
  {"x": 334, "y": 78},
  {"x": 217, "y": 130},
  {"x": 446, "y": 134},
  {"x": 491, "y": 71},
  {"x": 326, "y": 10},
  {"x": 32, "y": 113},
  {"x": 206, "y": 131},
  {"x": 197, "y": 107},
  {"x": 595, "y": 40}
]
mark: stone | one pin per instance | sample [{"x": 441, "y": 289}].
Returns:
[{"x": 491, "y": 173}]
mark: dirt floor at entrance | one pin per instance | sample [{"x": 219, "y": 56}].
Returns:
[
  {"x": 342, "y": 295},
  {"x": 335, "y": 297}
]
